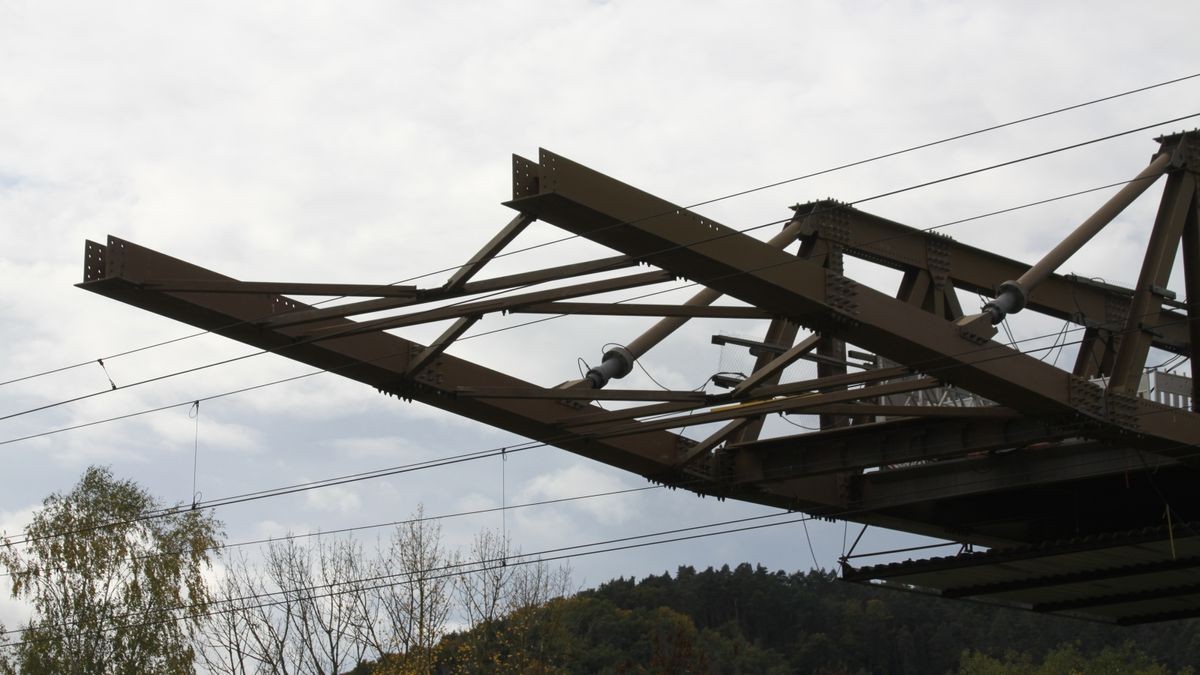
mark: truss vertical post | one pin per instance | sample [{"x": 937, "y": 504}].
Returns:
[
  {"x": 1156, "y": 271},
  {"x": 831, "y": 347},
  {"x": 1191, "y": 275},
  {"x": 1093, "y": 350}
]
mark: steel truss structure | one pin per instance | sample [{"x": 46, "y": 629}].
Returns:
[{"x": 1078, "y": 483}]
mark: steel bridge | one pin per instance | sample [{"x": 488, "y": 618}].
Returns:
[{"x": 1078, "y": 482}]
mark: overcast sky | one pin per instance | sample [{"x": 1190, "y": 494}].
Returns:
[{"x": 370, "y": 142}]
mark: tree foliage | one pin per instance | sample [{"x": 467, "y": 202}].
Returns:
[
  {"x": 498, "y": 591},
  {"x": 1067, "y": 659},
  {"x": 327, "y": 606},
  {"x": 750, "y": 620},
  {"x": 117, "y": 587},
  {"x": 116, "y": 582}
]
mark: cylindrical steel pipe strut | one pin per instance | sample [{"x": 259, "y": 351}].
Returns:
[
  {"x": 1013, "y": 295},
  {"x": 618, "y": 363}
]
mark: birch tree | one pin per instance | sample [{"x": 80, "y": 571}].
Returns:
[{"x": 116, "y": 580}]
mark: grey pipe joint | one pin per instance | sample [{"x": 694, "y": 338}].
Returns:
[
  {"x": 617, "y": 363},
  {"x": 1010, "y": 299}
]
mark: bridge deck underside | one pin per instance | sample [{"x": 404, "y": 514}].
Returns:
[{"x": 1125, "y": 578}]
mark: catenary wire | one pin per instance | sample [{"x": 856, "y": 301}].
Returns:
[
  {"x": 329, "y": 482},
  {"x": 190, "y": 402},
  {"x": 732, "y": 195},
  {"x": 817, "y": 212},
  {"x": 221, "y": 362},
  {"x": 301, "y": 487},
  {"x": 821, "y": 515},
  {"x": 941, "y": 141},
  {"x": 1060, "y": 348},
  {"x": 351, "y": 328},
  {"x": 317, "y": 372},
  {"x": 396, "y": 523},
  {"x": 682, "y": 485},
  {"x": 479, "y": 566},
  {"x": 476, "y": 566},
  {"x": 275, "y": 492},
  {"x": 527, "y": 558},
  {"x": 543, "y": 556},
  {"x": 931, "y": 228},
  {"x": 734, "y": 232},
  {"x": 293, "y": 378}
]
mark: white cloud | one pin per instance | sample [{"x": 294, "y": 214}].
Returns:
[
  {"x": 272, "y": 529},
  {"x": 13, "y": 611},
  {"x": 12, "y": 523},
  {"x": 393, "y": 449},
  {"x": 208, "y": 434},
  {"x": 336, "y": 500},
  {"x": 582, "y": 479},
  {"x": 474, "y": 501}
]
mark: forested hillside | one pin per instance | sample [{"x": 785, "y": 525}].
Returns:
[{"x": 750, "y": 620}]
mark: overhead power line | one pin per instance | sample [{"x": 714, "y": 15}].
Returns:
[
  {"x": 831, "y": 514},
  {"x": 334, "y": 334},
  {"x": 274, "y": 492},
  {"x": 471, "y": 567},
  {"x": 948, "y": 139},
  {"x": 296, "y": 488},
  {"x": 860, "y": 162},
  {"x": 391, "y": 523},
  {"x": 334, "y": 370},
  {"x": 932, "y": 447},
  {"x": 870, "y": 242},
  {"x": 654, "y": 543},
  {"x": 476, "y": 455},
  {"x": 289, "y": 490}
]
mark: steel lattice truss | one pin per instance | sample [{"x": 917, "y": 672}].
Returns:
[{"x": 1030, "y": 457}]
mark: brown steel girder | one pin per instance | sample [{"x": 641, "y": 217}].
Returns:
[
  {"x": 805, "y": 290},
  {"x": 926, "y": 256},
  {"x": 686, "y": 244},
  {"x": 856, "y": 468},
  {"x": 125, "y": 271}
]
